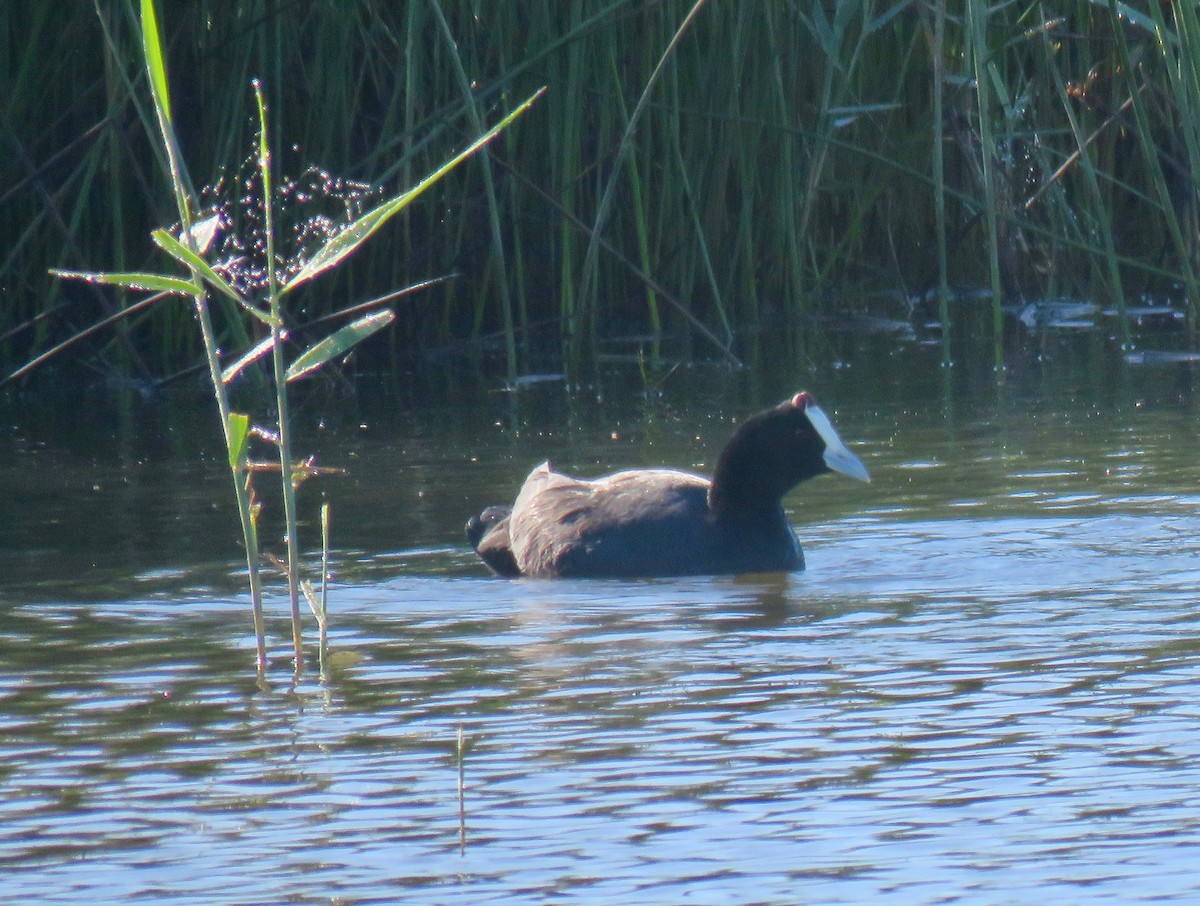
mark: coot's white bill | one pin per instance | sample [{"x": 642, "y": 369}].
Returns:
[{"x": 837, "y": 456}]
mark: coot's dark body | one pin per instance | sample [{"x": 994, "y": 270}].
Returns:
[{"x": 663, "y": 522}]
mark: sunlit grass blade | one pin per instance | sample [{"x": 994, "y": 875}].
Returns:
[
  {"x": 260, "y": 349},
  {"x": 190, "y": 259},
  {"x": 156, "y": 69},
  {"x": 384, "y": 299},
  {"x": 355, "y": 234},
  {"x": 338, "y": 342},
  {"x": 86, "y": 332},
  {"x": 489, "y": 188},
  {"x": 237, "y": 432},
  {"x": 1140, "y": 19},
  {"x": 156, "y": 66},
  {"x": 589, "y": 281},
  {"x": 151, "y": 283}
]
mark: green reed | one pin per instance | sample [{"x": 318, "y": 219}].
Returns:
[
  {"x": 189, "y": 247},
  {"x": 981, "y": 63},
  {"x": 783, "y": 168},
  {"x": 938, "y": 164},
  {"x": 1091, "y": 183},
  {"x": 1179, "y": 53}
]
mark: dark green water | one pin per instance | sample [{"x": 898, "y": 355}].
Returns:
[{"x": 986, "y": 687}]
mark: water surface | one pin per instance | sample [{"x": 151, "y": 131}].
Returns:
[{"x": 986, "y": 687}]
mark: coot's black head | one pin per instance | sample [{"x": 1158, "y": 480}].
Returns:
[
  {"x": 774, "y": 451},
  {"x": 485, "y": 522},
  {"x": 488, "y": 534}
]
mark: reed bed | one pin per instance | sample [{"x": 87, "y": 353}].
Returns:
[{"x": 791, "y": 163}]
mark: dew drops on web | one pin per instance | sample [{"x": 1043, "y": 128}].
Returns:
[{"x": 307, "y": 211}]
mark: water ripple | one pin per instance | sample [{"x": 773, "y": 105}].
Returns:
[{"x": 983, "y": 689}]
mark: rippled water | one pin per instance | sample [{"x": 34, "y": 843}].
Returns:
[{"x": 986, "y": 687}]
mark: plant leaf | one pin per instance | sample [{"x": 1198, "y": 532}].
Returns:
[
  {"x": 355, "y": 234},
  {"x": 260, "y": 349},
  {"x": 237, "y": 433},
  {"x": 310, "y": 595},
  {"x": 156, "y": 70},
  {"x": 1141, "y": 20},
  {"x": 338, "y": 342},
  {"x": 191, "y": 260},
  {"x": 155, "y": 64},
  {"x": 151, "y": 283}
]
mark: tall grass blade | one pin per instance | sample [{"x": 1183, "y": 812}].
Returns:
[
  {"x": 355, "y": 234},
  {"x": 87, "y": 331},
  {"x": 189, "y": 259},
  {"x": 156, "y": 67},
  {"x": 151, "y": 283},
  {"x": 506, "y": 307},
  {"x": 586, "y": 295},
  {"x": 939, "y": 176},
  {"x": 338, "y": 343},
  {"x": 1150, "y": 154},
  {"x": 259, "y": 350},
  {"x": 977, "y": 14}
]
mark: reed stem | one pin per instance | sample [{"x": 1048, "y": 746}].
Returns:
[{"x": 977, "y": 16}]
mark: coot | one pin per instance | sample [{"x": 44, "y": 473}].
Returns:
[{"x": 664, "y": 522}]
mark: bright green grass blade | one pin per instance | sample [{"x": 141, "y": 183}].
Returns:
[
  {"x": 151, "y": 283},
  {"x": 268, "y": 197},
  {"x": 155, "y": 64},
  {"x": 156, "y": 70},
  {"x": 190, "y": 259},
  {"x": 236, "y": 435},
  {"x": 339, "y": 342},
  {"x": 348, "y": 240}
]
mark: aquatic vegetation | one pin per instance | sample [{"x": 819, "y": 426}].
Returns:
[
  {"x": 260, "y": 296},
  {"x": 790, "y": 163}
]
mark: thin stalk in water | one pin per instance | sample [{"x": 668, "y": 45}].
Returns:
[
  {"x": 323, "y": 648},
  {"x": 287, "y": 482},
  {"x": 156, "y": 70},
  {"x": 638, "y": 194},
  {"x": 460, "y": 757}
]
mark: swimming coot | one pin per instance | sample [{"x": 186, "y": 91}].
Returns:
[{"x": 664, "y": 522}]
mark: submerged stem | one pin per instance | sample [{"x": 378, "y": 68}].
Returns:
[
  {"x": 241, "y": 489},
  {"x": 184, "y": 201},
  {"x": 281, "y": 397}
]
